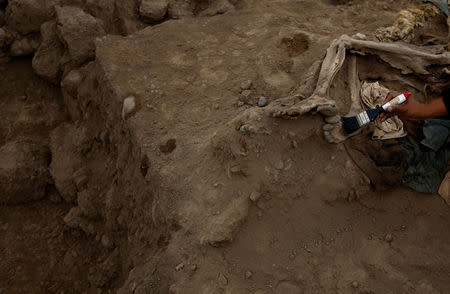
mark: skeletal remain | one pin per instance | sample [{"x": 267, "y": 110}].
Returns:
[{"x": 408, "y": 59}]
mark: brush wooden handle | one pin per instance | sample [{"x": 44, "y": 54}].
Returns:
[{"x": 397, "y": 100}]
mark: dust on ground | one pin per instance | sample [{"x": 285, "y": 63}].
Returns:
[{"x": 123, "y": 170}]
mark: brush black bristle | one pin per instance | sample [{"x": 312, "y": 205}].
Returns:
[
  {"x": 352, "y": 124},
  {"x": 374, "y": 113}
]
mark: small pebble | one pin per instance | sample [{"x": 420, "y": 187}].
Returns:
[
  {"x": 355, "y": 284},
  {"x": 294, "y": 144},
  {"x": 179, "y": 267},
  {"x": 248, "y": 274},
  {"x": 235, "y": 169},
  {"x": 106, "y": 242},
  {"x": 245, "y": 85},
  {"x": 388, "y": 238},
  {"x": 254, "y": 196},
  {"x": 222, "y": 280},
  {"x": 129, "y": 104},
  {"x": 262, "y": 101},
  {"x": 245, "y": 95}
]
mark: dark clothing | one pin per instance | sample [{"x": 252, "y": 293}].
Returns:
[{"x": 427, "y": 160}]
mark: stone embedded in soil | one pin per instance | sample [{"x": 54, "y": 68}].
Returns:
[
  {"x": 26, "y": 16},
  {"x": 153, "y": 10},
  {"x": 248, "y": 275},
  {"x": 246, "y": 85},
  {"x": 223, "y": 281},
  {"x": 78, "y": 29},
  {"x": 355, "y": 284},
  {"x": 236, "y": 169},
  {"x": 47, "y": 59},
  {"x": 217, "y": 7},
  {"x": 23, "y": 47},
  {"x": 106, "y": 242},
  {"x": 254, "y": 196},
  {"x": 388, "y": 238},
  {"x": 262, "y": 101},
  {"x": 179, "y": 267},
  {"x": 245, "y": 96},
  {"x": 129, "y": 105}
]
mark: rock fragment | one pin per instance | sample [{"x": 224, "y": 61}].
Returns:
[
  {"x": 245, "y": 96},
  {"x": 46, "y": 61},
  {"x": 23, "y": 47},
  {"x": 254, "y": 196},
  {"x": 262, "y": 101},
  {"x": 26, "y": 16},
  {"x": 388, "y": 238},
  {"x": 179, "y": 267},
  {"x": 248, "y": 275},
  {"x": 129, "y": 104},
  {"x": 246, "y": 85},
  {"x": 78, "y": 29},
  {"x": 223, "y": 281},
  {"x": 153, "y": 10}
]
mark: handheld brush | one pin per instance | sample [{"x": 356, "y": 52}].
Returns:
[{"x": 352, "y": 124}]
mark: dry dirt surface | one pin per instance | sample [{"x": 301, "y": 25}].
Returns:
[{"x": 126, "y": 165}]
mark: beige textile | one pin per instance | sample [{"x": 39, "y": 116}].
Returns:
[
  {"x": 444, "y": 189},
  {"x": 373, "y": 95}
]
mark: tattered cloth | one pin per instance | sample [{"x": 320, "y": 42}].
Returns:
[{"x": 372, "y": 96}]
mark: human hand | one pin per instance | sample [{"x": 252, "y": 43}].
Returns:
[{"x": 411, "y": 109}]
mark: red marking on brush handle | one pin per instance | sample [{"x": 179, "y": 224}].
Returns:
[{"x": 397, "y": 100}]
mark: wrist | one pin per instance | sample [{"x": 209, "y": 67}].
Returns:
[{"x": 435, "y": 108}]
